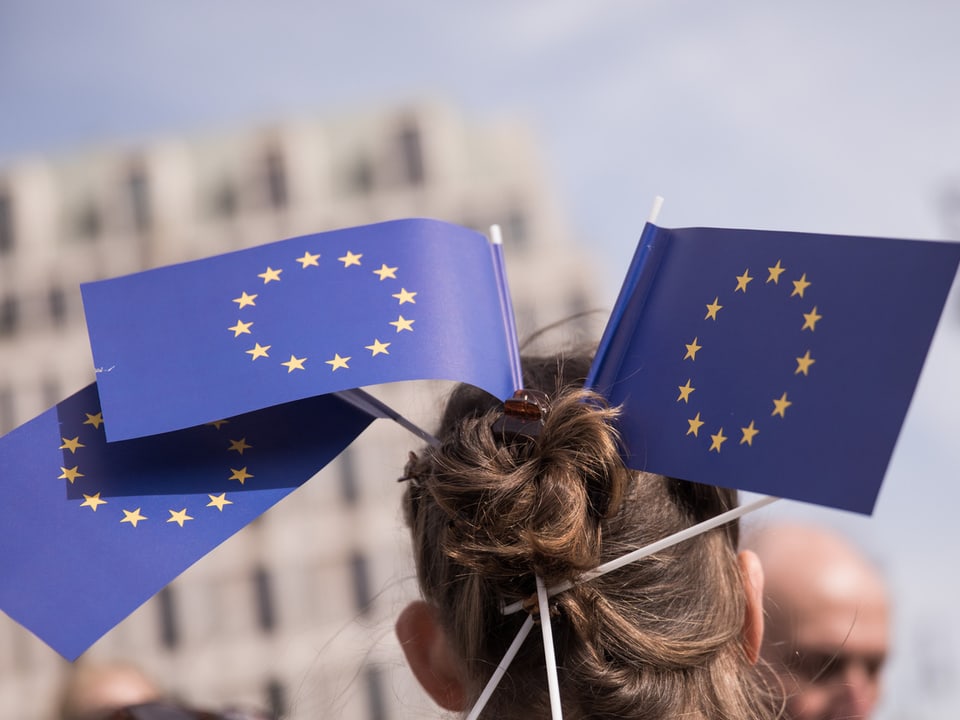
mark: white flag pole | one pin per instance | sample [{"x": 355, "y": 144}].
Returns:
[
  {"x": 549, "y": 654},
  {"x": 506, "y": 305},
  {"x": 655, "y": 210},
  {"x": 368, "y": 403},
  {"x": 501, "y": 669}
]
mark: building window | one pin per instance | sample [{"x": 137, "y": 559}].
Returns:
[
  {"x": 949, "y": 208},
  {"x": 263, "y": 591},
  {"x": 276, "y": 698},
  {"x": 138, "y": 194},
  {"x": 57, "y": 304},
  {"x": 225, "y": 202},
  {"x": 360, "y": 574},
  {"x": 6, "y": 223},
  {"x": 349, "y": 490},
  {"x": 515, "y": 233},
  {"x": 579, "y": 306},
  {"x": 9, "y": 315},
  {"x": 411, "y": 154},
  {"x": 51, "y": 391},
  {"x": 360, "y": 176},
  {"x": 6, "y": 410},
  {"x": 169, "y": 630},
  {"x": 373, "y": 682},
  {"x": 89, "y": 222},
  {"x": 276, "y": 178}
]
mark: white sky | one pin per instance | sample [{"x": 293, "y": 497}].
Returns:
[{"x": 840, "y": 116}]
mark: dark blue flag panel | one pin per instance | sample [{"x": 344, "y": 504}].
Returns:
[
  {"x": 403, "y": 300},
  {"x": 89, "y": 530},
  {"x": 780, "y": 363}
]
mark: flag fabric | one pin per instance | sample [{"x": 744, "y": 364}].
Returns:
[
  {"x": 402, "y": 300},
  {"x": 779, "y": 363},
  {"x": 89, "y": 530}
]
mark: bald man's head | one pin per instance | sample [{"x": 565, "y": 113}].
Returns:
[
  {"x": 92, "y": 689},
  {"x": 827, "y": 621}
]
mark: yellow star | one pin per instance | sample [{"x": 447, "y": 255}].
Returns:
[
  {"x": 775, "y": 273},
  {"x": 780, "y": 406},
  {"x": 92, "y": 501},
  {"x": 405, "y": 297},
  {"x": 718, "y": 440},
  {"x": 218, "y": 423},
  {"x": 338, "y": 362},
  {"x": 386, "y": 272},
  {"x": 800, "y": 285},
  {"x": 810, "y": 320},
  {"x": 133, "y": 517},
  {"x": 804, "y": 363},
  {"x": 71, "y": 445},
  {"x": 179, "y": 516},
  {"x": 308, "y": 259},
  {"x": 378, "y": 348},
  {"x": 245, "y": 300},
  {"x": 713, "y": 308},
  {"x": 95, "y": 420},
  {"x": 258, "y": 351},
  {"x": 239, "y": 445},
  {"x": 685, "y": 391},
  {"x": 70, "y": 474},
  {"x": 240, "y": 328},
  {"x": 218, "y": 501},
  {"x": 742, "y": 281},
  {"x": 692, "y": 349},
  {"x": 695, "y": 424},
  {"x": 242, "y": 475},
  {"x": 294, "y": 363},
  {"x": 748, "y": 434},
  {"x": 401, "y": 323},
  {"x": 350, "y": 259},
  {"x": 268, "y": 275}
]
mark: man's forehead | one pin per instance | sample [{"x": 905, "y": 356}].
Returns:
[{"x": 843, "y": 623}]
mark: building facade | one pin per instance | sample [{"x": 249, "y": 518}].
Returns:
[{"x": 294, "y": 613}]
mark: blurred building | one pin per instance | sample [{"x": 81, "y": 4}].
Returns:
[{"x": 294, "y": 613}]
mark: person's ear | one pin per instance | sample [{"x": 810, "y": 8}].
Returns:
[
  {"x": 429, "y": 655},
  {"x": 751, "y": 571}
]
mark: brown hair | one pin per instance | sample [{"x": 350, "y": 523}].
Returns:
[{"x": 658, "y": 638}]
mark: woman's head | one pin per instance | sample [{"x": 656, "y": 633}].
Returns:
[{"x": 674, "y": 634}]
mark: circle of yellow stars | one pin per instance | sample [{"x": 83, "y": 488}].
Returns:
[
  {"x": 803, "y": 362},
  {"x": 338, "y": 362},
  {"x": 135, "y": 516}
]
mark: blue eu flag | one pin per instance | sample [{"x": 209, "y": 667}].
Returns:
[
  {"x": 780, "y": 363},
  {"x": 403, "y": 300},
  {"x": 89, "y": 530}
]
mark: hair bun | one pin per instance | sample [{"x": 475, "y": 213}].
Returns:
[{"x": 529, "y": 505}]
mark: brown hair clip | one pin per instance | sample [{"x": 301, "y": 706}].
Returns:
[
  {"x": 523, "y": 416},
  {"x": 410, "y": 470}
]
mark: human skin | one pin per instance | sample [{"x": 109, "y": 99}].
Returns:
[
  {"x": 95, "y": 688},
  {"x": 827, "y": 622}
]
